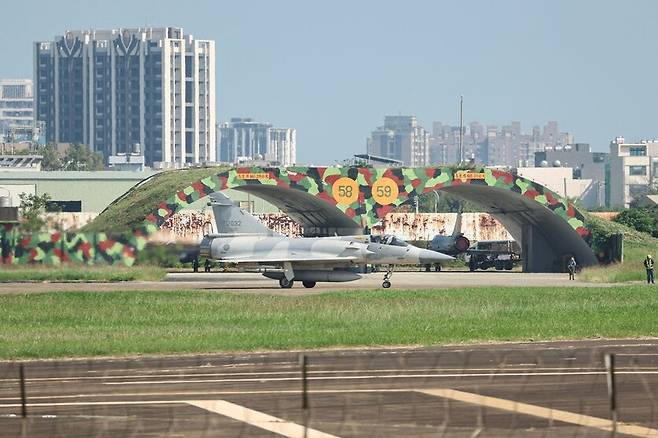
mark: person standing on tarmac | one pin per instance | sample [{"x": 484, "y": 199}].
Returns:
[
  {"x": 571, "y": 266},
  {"x": 648, "y": 265}
]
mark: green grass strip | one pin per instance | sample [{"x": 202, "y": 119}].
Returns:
[
  {"x": 80, "y": 273},
  {"x": 631, "y": 270},
  {"x": 88, "y": 324}
]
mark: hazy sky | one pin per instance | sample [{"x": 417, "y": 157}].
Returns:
[{"x": 333, "y": 69}]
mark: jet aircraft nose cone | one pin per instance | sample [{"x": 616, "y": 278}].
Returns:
[{"x": 427, "y": 256}]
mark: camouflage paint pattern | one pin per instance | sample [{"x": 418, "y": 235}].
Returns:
[
  {"x": 365, "y": 209},
  {"x": 362, "y": 199},
  {"x": 55, "y": 248}
]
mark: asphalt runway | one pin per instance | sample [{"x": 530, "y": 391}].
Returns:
[
  {"x": 510, "y": 390},
  {"x": 256, "y": 283}
]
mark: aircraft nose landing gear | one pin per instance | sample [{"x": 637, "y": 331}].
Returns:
[{"x": 387, "y": 277}]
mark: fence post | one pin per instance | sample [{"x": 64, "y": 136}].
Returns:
[
  {"x": 21, "y": 376},
  {"x": 612, "y": 392},
  {"x": 303, "y": 362}
]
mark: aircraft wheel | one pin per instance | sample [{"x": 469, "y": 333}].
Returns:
[
  {"x": 386, "y": 284},
  {"x": 509, "y": 266},
  {"x": 437, "y": 268},
  {"x": 285, "y": 283},
  {"x": 427, "y": 268},
  {"x": 308, "y": 284}
]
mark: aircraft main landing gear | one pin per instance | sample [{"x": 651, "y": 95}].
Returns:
[
  {"x": 389, "y": 272},
  {"x": 285, "y": 283},
  {"x": 308, "y": 284}
]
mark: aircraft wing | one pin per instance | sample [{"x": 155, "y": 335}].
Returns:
[{"x": 287, "y": 258}]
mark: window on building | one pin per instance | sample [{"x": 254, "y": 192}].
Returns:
[
  {"x": 189, "y": 92},
  {"x": 189, "y": 66},
  {"x": 638, "y": 151},
  {"x": 64, "y": 206},
  {"x": 637, "y": 170}
]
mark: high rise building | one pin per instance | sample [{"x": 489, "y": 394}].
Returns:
[
  {"x": 244, "y": 139},
  {"x": 112, "y": 89},
  {"x": 633, "y": 170},
  {"x": 16, "y": 110},
  {"x": 401, "y": 138},
  {"x": 493, "y": 145}
]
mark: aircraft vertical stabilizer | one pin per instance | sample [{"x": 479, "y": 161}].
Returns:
[
  {"x": 231, "y": 220},
  {"x": 457, "y": 231}
]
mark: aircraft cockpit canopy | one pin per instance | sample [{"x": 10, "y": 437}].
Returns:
[{"x": 388, "y": 239}]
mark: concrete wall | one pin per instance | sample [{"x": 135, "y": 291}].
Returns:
[
  {"x": 558, "y": 179},
  {"x": 69, "y": 221},
  {"x": 189, "y": 226},
  {"x": 424, "y": 226},
  {"x": 95, "y": 190}
]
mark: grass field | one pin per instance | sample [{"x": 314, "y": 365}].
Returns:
[
  {"x": 79, "y": 273},
  {"x": 636, "y": 247},
  {"x": 88, "y": 324},
  {"x": 631, "y": 269}
]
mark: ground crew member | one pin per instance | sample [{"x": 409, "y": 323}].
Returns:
[
  {"x": 648, "y": 265},
  {"x": 572, "y": 268},
  {"x": 195, "y": 264},
  {"x": 206, "y": 266}
]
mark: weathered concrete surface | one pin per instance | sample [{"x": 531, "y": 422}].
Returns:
[
  {"x": 256, "y": 283},
  {"x": 190, "y": 226},
  {"x": 424, "y": 226}
]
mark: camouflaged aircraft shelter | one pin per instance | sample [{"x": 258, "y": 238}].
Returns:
[{"x": 349, "y": 200}]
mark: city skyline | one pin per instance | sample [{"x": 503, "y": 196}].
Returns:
[{"x": 314, "y": 67}]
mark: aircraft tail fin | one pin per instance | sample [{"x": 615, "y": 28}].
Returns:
[
  {"x": 231, "y": 220},
  {"x": 457, "y": 231}
]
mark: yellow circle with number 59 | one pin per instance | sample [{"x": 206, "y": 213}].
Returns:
[
  {"x": 345, "y": 190},
  {"x": 385, "y": 191}
]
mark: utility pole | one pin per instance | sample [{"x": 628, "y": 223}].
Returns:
[{"x": 461, "y": 129}]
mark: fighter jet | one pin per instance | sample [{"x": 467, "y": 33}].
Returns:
[
  {"x": 453, "y": 245},
  {"x": 243, "y": 240}
]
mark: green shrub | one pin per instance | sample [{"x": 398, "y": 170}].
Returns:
[{"x": 642, "y": 219}]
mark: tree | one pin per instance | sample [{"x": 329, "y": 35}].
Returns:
[
  {"x": 51, "y": 160},
  {"x": 32, "y": 208},
  {"x": 80, "y": 157},
  {"x": 644, "y": 219}
]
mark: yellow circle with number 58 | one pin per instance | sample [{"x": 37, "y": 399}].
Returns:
[
  {"x": 345, "y": 190},
  {"x": 385, "y": 191}
]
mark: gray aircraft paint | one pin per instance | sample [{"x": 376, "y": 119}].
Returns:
[
  {"x": 454, "y": 244},
  {"x": 243, "y": 240},
  {"x": 232, "y": 220}
]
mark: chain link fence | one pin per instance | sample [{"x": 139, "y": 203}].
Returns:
[{"x": 521, "y": 390}]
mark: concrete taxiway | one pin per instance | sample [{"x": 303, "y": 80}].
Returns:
[
  {"x": 535, "y": 389},
  {"x": 256, "y": 283}
]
